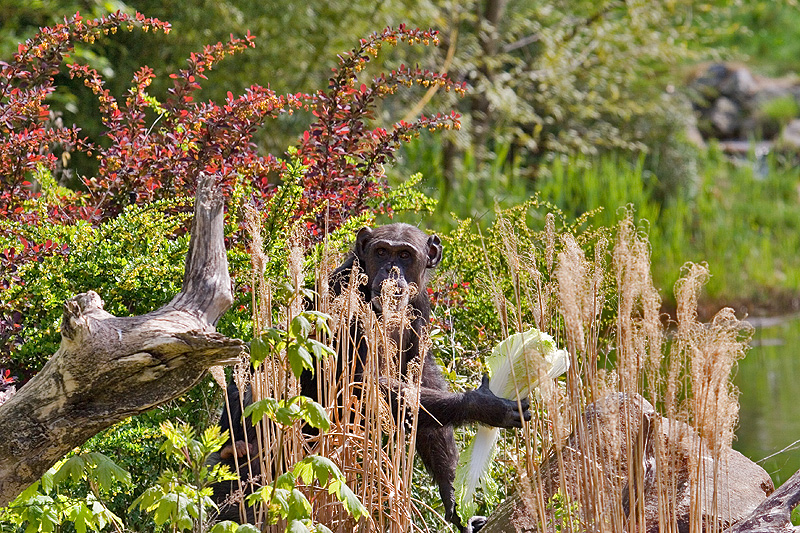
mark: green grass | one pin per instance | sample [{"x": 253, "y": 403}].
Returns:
[
  {"x": 745, "y": 225},
  {"x": 741, "y": 218},
  {"x": 766, "y": 34}
]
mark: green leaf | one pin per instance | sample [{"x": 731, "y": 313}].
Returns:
[
  {"x": 300, "y": 328},
  {"x": 106, "y": 472},
  {"x": 287, "y": 414},
  {"x": 308, "y": 294},
  {"x": 226, "y": 526},
  {"x": 220, "y": 472},
  {"x": 319, "y": 349},
  {"x": 73, "y": 468},
  {"x": 212, "y": 440},
  {"x": 28, "y": 493},
  {"x": 304, "y": 470},
  {"x": 258, "y": 410},
  {"x": 314, "y": 414},
  {"x": 324, "y": 468},
  {"x": 258, "y": 351},
  {"x": 261, "y": 496},
  {"x": 348, "y": 498},
  {"x": 80, "y": 516},
  {"x": 321, "y": 321},
  {"x": 317, "y": 467},
  {"x": 102, "y": 515},
  {"x": 182, "y": 518},
  {"x": 299, "y": 506},
  {"x": 47, "y": 517},
  {"x": 274, "y": 337},
  {"x": 163, "y": 511},
  {"x": 47, "y": 478},
  {"x": 177, "y": 438},
  {"x": 296, "y": 526},
  {"x": 166, "y": 508},
  {"x": 146, "y": 499},
  {"x": 281, "y": 498},
  {"x": 196, "y": 452},
  {"x": 299, "y": 358},
  {"x": 285, "y": 481}
]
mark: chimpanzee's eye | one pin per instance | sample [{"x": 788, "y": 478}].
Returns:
[
  {"x": 381, "y": 252},
  {"x": 405, "y": 255}
]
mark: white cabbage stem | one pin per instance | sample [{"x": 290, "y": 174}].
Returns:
[{"x": 514, "y": 366}]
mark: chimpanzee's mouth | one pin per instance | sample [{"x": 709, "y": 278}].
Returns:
[{"x": 394, "y": 301}]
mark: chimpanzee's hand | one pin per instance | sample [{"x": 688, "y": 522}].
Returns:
[
  {"x": 240, "y": 448},
  {"x": 495, "y": 411}
]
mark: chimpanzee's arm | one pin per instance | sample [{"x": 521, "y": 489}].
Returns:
[
  {"x": 444, "y": 408},
  {"x": 479, "y": 405}
]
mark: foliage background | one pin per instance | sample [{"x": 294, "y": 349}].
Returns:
[{"x": 577, "y": 102}]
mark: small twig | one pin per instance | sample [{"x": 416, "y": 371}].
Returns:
[{"x": 792, "y": 446}]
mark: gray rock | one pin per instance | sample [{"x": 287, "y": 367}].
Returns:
[
  {"x": 733, "y": 103},
  {"x": 725, "y": 117},
  {"x": 739, "y": 84},
  {"x": 621, "y": 463},
  {"x": 730, "y": 494},
  {"x": 790, "y": 136}
]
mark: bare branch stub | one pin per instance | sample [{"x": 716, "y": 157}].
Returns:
[
  {"x": 109, "y": 368},
  {"x": 774, "y": 515}
]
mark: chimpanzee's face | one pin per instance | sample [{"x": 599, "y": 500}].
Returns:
[{"x": 399, "y": 253}]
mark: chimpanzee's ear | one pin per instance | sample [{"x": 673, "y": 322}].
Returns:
[
  {"x": 434, "y": 251},
  {"x": 362, "y": 238}
]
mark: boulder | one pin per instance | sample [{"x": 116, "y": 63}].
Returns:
[
  {"x": 725, "y": 117},
  {"x": 732, "y": 103},
  {"x": 790, "y": 136},
  {"x": 624, "y": 461}
]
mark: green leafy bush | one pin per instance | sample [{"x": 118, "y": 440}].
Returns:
[
  {"x": 181, "y": 498},
  {"x": 483, "y": 267},
  {"x": 134, "y": 261},
  {"x": 71, "y": 493}
]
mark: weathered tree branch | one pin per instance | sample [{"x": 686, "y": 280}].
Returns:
[
  {"x": 110, "y": 368},
  {"x": 774, "y": 515}
]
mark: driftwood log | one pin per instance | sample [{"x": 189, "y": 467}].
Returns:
[
  {"x": 774, "y": 515},
  {"x": 110, "y": 368}
]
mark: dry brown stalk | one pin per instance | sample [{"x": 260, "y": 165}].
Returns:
[
  {"x": 374, "y": 453},
  {"x": 632, "y": 358},
  {"x": 601, "y": 472}
]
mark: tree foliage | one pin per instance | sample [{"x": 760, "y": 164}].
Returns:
[{"x": 155, "y": 148}]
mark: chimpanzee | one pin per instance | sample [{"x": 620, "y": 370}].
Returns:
[
  {"x": 243, "y": 452},
  {"x": 405, "y": 254}
]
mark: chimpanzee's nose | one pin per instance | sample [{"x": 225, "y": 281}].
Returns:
[{"x": 397, "y": 277}]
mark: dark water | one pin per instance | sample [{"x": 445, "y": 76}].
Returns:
[{"x": 769, "y": 381}]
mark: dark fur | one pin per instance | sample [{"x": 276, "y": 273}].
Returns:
[
  {"x": 407, "y": 255},
  {"x": 229, "y": 510}
]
